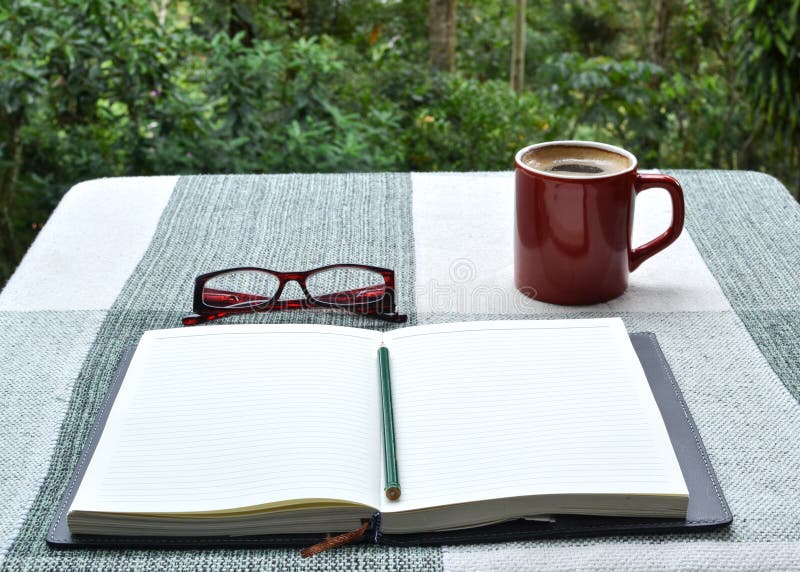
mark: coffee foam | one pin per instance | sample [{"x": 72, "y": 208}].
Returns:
[{"x": 576, "y": 161}]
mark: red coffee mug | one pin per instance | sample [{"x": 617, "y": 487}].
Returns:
[{"x": 574, "y": 217}]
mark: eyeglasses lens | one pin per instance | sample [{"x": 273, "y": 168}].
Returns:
[
  {"x": 240, "y": 289},
  {"x": 346, "y": 286}
]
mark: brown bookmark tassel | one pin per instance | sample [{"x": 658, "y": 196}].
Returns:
[{"x": 335, "y": 541}]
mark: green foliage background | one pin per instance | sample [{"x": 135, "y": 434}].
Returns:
[{"x": 96, "y": 88}]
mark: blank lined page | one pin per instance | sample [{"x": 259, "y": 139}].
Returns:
[
  {"x": 503, "y": 409},
  {"x": 221, "y": 417}
]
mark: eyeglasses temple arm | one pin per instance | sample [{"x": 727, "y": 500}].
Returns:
[
  {"x": 195, "y": 319},
  {"x": 214, "y": 296},
  {"x": 345, "y": 296},
  {"x": 393, "y": 317}
]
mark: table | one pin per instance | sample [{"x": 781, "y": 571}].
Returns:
[{"x": 119, "y": 256}]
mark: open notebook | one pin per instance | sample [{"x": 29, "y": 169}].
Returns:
[{"x": 274, "y": 432}]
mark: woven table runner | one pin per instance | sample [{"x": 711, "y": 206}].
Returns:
[{"x": 724, "y": 302}]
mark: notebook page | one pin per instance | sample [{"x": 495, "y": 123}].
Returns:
[
  {"x": 503, "y": 409},
  {"x": 221, "y": 417}
]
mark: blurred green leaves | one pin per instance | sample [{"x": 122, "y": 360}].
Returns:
[{"x": 768, "y": 57}]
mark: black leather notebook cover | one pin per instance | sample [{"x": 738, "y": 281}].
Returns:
[{"x": 707, "y": 506}]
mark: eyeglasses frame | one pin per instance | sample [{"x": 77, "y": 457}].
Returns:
[{"x": 383, "y": 308}]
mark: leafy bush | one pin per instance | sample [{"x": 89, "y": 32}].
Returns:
[
  {"x": 471, "y": 126},
  {"x": 599, "y": 98}
]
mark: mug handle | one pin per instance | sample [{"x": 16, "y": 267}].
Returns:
[{"x": 659, "y": 243}]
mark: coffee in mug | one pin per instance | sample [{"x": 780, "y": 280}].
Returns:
[
  {"x": 576, "y": 160},
  {"x": 574, "y": 217}
]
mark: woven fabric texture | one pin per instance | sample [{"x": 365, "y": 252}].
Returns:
[
  {"x": 747, "y": 228},
  {"x": 42, "y": 354}
]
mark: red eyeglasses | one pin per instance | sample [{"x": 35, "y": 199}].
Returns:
[{"x": 361, "y": 289}]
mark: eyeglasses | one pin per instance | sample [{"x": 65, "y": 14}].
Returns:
[{"x": 361, "y": 289}]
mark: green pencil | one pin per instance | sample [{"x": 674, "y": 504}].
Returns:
[{"x": 392, "y": 488}]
